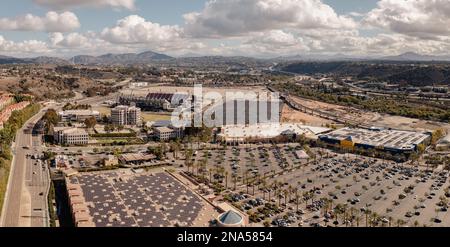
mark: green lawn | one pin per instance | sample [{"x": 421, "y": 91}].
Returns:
[
  {"x": 103, "y": 110},
  {"x": 146, "y": 116},
  {"x": 151, "y": 117}
]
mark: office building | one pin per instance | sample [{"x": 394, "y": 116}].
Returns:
[
  {"x": 168, "y": 133},
  {"x": 78, "y": 115},
  {"x": 71, "y": 136}
]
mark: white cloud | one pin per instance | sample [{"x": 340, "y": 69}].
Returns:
[
  {"x": 23, "y": 48},
  {"x": 67, "y": 4},
  {"x": 51, "y": 22},
  {"x": 72, "y": 40},
  {"x": 246, "y": 27},
  {"x": 93, "y": 43},
  {"x": 419, "y": 18},
  {"x": 222, "y": 18},
  {"x": 275, "y": 37},
  {"x": 136, "y": 30},
  {"x": 274, "y": 43},
  {"x": 355, "y": 14}
]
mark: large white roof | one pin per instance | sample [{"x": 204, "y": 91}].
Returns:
[{"x": 269, "y": 130}]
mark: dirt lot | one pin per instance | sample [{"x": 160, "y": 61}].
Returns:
[
  {"x": 375, "y": 119},
  {"x": 408, "y": 123},
  {"x": 345, "y": 113},
  {"x": 290, "y": 115}
]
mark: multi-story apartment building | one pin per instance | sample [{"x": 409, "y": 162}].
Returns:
[
  {"x": 119, "y": 115},
  {"x": 125, "y": 115},
  {"x": 134, "y": 116}
]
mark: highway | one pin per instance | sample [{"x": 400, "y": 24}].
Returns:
[
  {"x": 28, "y": 184},
  {"x": 29, "y": 180}
]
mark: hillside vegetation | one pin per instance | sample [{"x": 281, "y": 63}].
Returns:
[{"x": 424, "y": 74}]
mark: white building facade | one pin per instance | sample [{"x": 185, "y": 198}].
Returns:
[
  {"x": 71, "y": 136},
  {"x": 125, "y": 115}
]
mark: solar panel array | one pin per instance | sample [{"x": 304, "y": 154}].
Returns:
[{"x": 144, "y": 200}]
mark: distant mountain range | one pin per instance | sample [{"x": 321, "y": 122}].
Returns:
[
  {"x": 398, "y": 72},
  {"x": 107, "y": 59},
  {"x": 128, "y": 58},
  {"x": 408, "y": 56},
  {"x": 412, "y": 56},
  {"x": 153, "y": 57},
  {"x": 35, "y": 60}
]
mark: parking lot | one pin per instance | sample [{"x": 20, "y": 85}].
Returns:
[
  {"x": 335, "y": 190},
  {"x": 240, "y": 163}
]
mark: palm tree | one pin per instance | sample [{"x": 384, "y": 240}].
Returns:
[
  {"x": 306, "y": 197},
  {"x": 357, "y": 219},
  {"x": 235, "y": 179},
  {"x": 194, "y": 168},
  {"x": 286, "y": 193},
  {"x": 296, "y": 198},
  {"x": 275, "y": 188},
  {"x": 279, "y": 195},
  {"x": 270, "y": 190},
  {"x": 312, "y": 196},
  {"x": 338, "y": 210},
  {"x": 188, "y": 164},
  {"x": 367, "y": 213},
  {"x": 245, "y": 178},
  {"x": 289, "y": 190},
  {"x": 253, "y": 186},
  {"x": 400, "y": 222},
  {"x": 353, "y": 213},
  {"x": 264, "y": 187},
  {"x": 374, "y": 219},
  {"x": 226, "y": 179}
]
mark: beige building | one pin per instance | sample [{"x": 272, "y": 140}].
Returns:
[
  {"x": 125, "y": 115},
  {"x": 166, "y": 133},
  {"x": 111, "y": 160},
  {"x": 80, "y": 211},
  {"x": 71, "y": 136},
  {"x": 78, "y": 115}
]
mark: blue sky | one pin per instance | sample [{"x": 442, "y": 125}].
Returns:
[
  {"x": 226, "y": 27},
  {"x": 169, "y": 12},
  {"x": 162, "y": 11}
]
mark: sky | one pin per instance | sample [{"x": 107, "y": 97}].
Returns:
[{"x": 259, "y": 28}]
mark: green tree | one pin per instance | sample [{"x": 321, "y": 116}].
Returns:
[
  {"x": 51, "y": 117},
  {"x": 90, "y": 122}
]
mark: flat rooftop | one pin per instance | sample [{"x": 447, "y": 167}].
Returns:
[
  {"x": 269, "y": 130},
  {"x": 79, "y": 112},
  {"x": 137, "y": 157},
  {"x": 125, "y": 199},
  {"x": 163, "y": 129},
  {"x": 396, "y": 139},
  {"x": 71, "y": 130}
]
